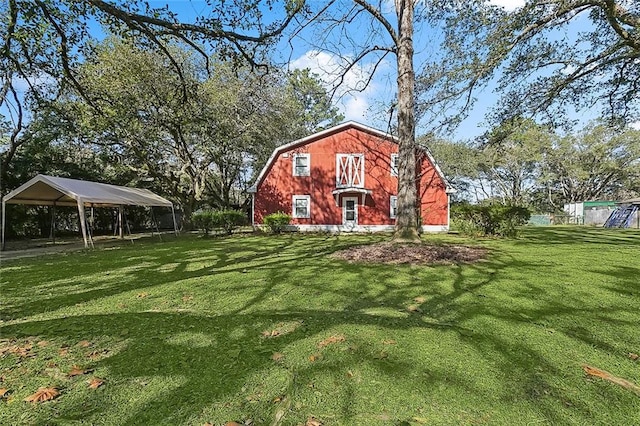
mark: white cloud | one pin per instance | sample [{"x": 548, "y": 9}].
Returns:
[
  {"x": 509, "y": 5},
  {"x": 353, "y": 90},
  {"x": 635, "y": 125}
]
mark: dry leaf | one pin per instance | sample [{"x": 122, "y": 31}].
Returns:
[
  {"x": 43, "y": 394},
  {"x": 142, "y": 295},
  {"x": 208, "y": 424},
  {"x": 22, "y": 351},
  {"x": 95, "y": 383},
  {"x": 232, "y": 424},
  {"x": 78, "y": 371},
  {"x": 3, "y": 392},
  {"x": 63, "y": 351},
  {"x": 272, "y": 333},
  {"x": 314, "y": 358},
  {"x": 43, "y": 343},
  {"x": 330, "y": 340},
  {"x": 420, "y": 299},
  {"x": 389, "y": 342},
  {"x": 311, "y": 421},
  {"x": 187, "y": 298},
  {"x": 596, "y": 372},
  {"x": 349, "y": 374},
  {"x": 98, "y": 354},
  {"x": 277, "y": 356},
  {"x": 84, "y": 344},
  {"x": 414, "y": 308},
  {"x": 634, "y": 356}
]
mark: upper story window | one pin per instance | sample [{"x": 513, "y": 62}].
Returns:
[
  {"x": 302, "y": 164},
  {"x": 350, "y": 170},
  {"x": 394, "y": 164},
  {"x": 301, "y": 206}
]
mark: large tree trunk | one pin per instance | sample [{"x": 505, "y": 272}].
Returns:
[{"x": 407, "y": 219}]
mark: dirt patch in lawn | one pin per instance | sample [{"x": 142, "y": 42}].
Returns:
[{"x": 417, "y": 254}]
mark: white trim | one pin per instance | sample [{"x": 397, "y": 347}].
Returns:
[
  {"x": 359, "y": 228},
  {"x": 391, "y": 199},
  {"x": 294, "y": 198},
  {"x": 354, "y": 223},
  {"x": 393, "y": 170},
  {"x": 350, "y": 170},
  {"x": 307, "y": 171}
]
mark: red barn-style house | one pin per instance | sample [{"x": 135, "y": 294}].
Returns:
[{"x": 345, "y": 179}]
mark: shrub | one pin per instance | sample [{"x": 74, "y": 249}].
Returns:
[
  {"x": 228, "y": 220},
  {"x": 276, "y": 222},
  {"x": 203, "y": 220},
  {"x": 225, "y": 220},
  {"x": 494, "y": 219}
]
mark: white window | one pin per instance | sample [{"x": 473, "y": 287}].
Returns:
[
  {"x": 301, "y": 206},
  {"x": 350, "y": 170},
  {"x": 301, "y": 164},
  {"x": 394, "y": 164},
  {"x": 393, "y": 207}
]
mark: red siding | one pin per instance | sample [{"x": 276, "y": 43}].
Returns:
[{"x": 276, "y": 190}]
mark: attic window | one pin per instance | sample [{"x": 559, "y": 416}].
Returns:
[
  {"x": 301, "y": 164},
  {"x": 394, "y": 164}
]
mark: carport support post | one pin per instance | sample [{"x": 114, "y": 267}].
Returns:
[
  {"x": 4, "y": 207},
  {"x": 83, "y": 224},
  {"x": 175, "y": 224},
  {"x": 121, "y": 222}
]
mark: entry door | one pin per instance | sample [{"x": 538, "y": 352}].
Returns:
[{"x": 349, "y": 212}]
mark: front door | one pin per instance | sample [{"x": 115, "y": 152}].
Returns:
[{"x": 349, "y": 213}]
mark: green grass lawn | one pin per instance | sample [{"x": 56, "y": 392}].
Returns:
[{"x": 271, "y": 329}]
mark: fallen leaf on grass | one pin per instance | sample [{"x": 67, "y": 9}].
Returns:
[
  {"x": 187, "y": 298},
  {"x": 420, "y": 299},
  {"x": 43, "y": 394},
  {"x": 63, "y": 351},
  {"x": 633, "y": 356},
  {"x": 98, "y": 354},
  {"x": 389, "y": 342},
  {"x": 330, "y": 340},
  {"x": 84, "y": 343},
  {"x": 78, "y": 371},
  {"x": 414, "y": 308},
  {"x": 311, "y": 421},
  {"x": 95, "y": 383},
  {"x": 142, "y": 295},
  {"x": 277, "y": 356},
  {"x": 314, "y": 358},
  {"x": 349, "y": 374},
  {"x": 208, "y": 424},
  {"x": 3, "y": 392},
  {"x": 43, "y": 343},
  {"x": 596, "y": 372},
  {"x": 272, "y": 333},
  {"x": 22, "y": 351},
  {"x": 232, "y": 424}
]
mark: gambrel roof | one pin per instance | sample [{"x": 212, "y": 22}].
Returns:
[{"x": 337, "y": 129}]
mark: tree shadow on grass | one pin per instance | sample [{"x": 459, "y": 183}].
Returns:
[{"x": 468, "y": 305}]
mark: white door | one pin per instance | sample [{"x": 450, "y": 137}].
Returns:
[{"x": 349, "y": 212}]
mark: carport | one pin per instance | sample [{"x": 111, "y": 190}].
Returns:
[{"x": 45, "y": 190}]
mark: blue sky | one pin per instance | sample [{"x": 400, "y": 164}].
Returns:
[{"x": 363, "y": 104}]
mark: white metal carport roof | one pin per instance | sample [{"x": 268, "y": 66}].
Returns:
[{"x": 45, "y": 190}]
